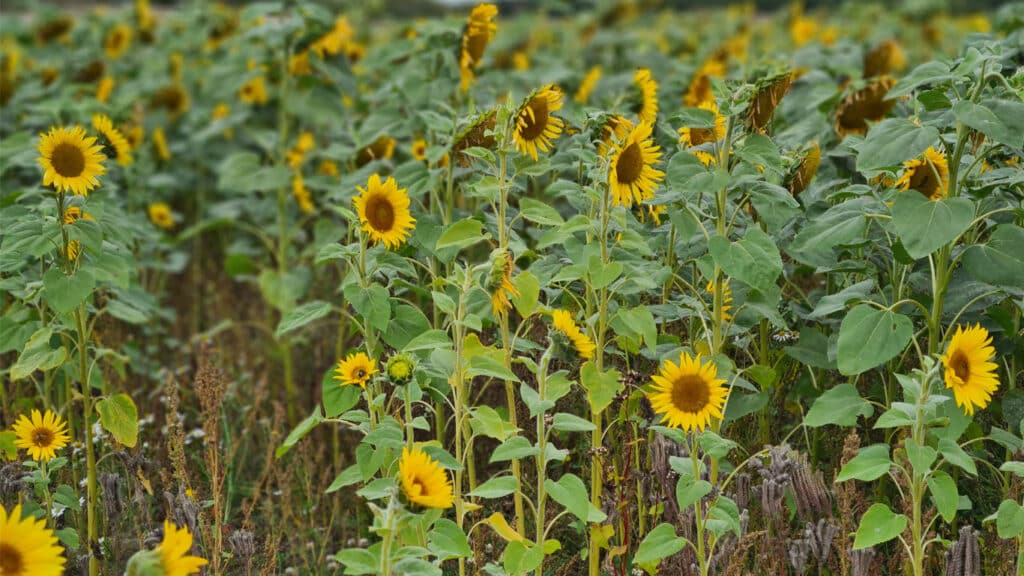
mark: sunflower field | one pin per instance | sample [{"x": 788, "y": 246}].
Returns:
[{"x": 613, "y": 288}]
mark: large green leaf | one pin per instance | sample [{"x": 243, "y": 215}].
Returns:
[
  {"x": 840, "y": 405},
  {"x": 1000, "y": 260},
  {"x": 461, "y": 234},
  {"x": 754, "y": 260},
  {"x": 870, "y": 463},
  {"x": 39, "y": 354},
  {"x": 660, "y": 543},
  {"x": 571, "y": 493},
  {"x": 64, "y": 293},
  {"x": 869, "y": 336},
  {"x": 944, "y": 494},
  {"x": 926, "y": 225},
  {"x": 984, "y": 120},
  {"x": 302, "y": 315},
  {"x": 448, "y": 541},
  {"x": 120, "y": 417},
  {"x": 879, "y": 524},
  {"x": 892, "y": 142},
  {"x": 1009, "y": 519},
  {"x": 601, "y": 387}
]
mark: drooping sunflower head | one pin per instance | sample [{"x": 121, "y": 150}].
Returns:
[
  {"x": 118, "y": 40},
  {"x": 173, "y": 98},
  {"x": 424, "y": 482},
  {"x": 695, "y": 137},
  {"x": 383, "y": 210},
  {"x": 91, "y": 72},
  {"x": 499, "y": 281},
  {"x": 805, "y": 170},
  {"x": 614, "y": 129},
  {"x": 867, "y": 104},
  {"x": 631, "y": 173},
  {"x": 71, "y": 160},
  {"x": 700, "y": 88},
  {"x": 587, "y": 85},
  {"x": 27, "y": 546},
  {"x": 928, "y": 174},
  {"x": 380, "y": 149},
  {"x": 768, "y": 95},
  {"x": 163, "y": 152},
  {"x": 104, "y": 88},
  {"x": 479, "y": 133},
  {"x": 174, "y": 552},
  {"x": 400, "y": 368},
  {"x": 647, "y": 96},
  {"x": 56, "y": 29},
  {"x": 115, "y": 145},
  {"x": 536, "y": 126},
  {"x": 356, "y": 369},
  {"x": 478, "y": 33},
  {"x": 41, "y": 435},
  {"x": 687, "y": 395},
  {"x": 886, "y": 58},
  {"x": 565, "y": 327},
  {"x": 160, "y": 215},
  {"x": 968, "y": 368}
]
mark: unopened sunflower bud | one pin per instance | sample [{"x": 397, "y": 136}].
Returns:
[
  {"x": 400, "y": 368},
  {"x": 145, "y": 563}
]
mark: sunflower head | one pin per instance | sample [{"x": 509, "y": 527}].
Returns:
[
  {"x": 383, "y": 210},
  {"x": 160, "y": 215},
  {"x": 175, "y": 559},
  {"x": 380, "y": 149},
  {"x": 41, "y": 435},
  {"x": 699, "y": 89},
  {"x": 805, "y": 170},
  {"x": 71, "y": 160},
  {"x": 28, "y": 547},
  {"x": 499, "y": 281},
  {"x": 356, "y": 368},
  {"x": 569, "y": 340},
  {"x": 479, "y": 133},
  {"x": 689, "y": 394},
  {"x": 587, "y": 85},
  {"x": 424, "y": 482},
  {"x": 56, "y": 29},
  {"x": 694, "y": 137},
  {"x": 536, "y": 126},
  {"x": 115, "y": 145},
  {"x": 631, "y": 173},
  {"x": 328, "y": 168},
  {"x": 646, "y": 95},
  {"x": 91, "y": 72},
  {"x": 867, "y": 104},
  {"x": 163, "y": 152},
  {"x": 173, "y": 98},
  {"x": 614, "y": 129},
  {"x": 254, "y": 91},
  {"x": 928, "y": 174},
  {"x": 419, "y": 149},
  {"x": 400, "y": 368},
  {"x": 118, "y": 39},
  {"x": 303, "y": 197},
  {"x": 802, "y": 29},
  {"x": 478, "y": 33},
  {"x": 104, "y": 88},
  {"x": 968, "y": 368},
  {"x": 767, "y": 96},
  {"x": 886, "y": 58}
]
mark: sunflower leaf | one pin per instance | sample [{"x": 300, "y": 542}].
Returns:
[{"x": 926, "y": 225}]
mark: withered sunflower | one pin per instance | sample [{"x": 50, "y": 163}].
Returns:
[{"x": 867, "y": 104}]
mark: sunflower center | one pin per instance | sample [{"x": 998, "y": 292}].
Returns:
[
  {"x": 419, "y": 488},
  {"x": 690, "y": 393},
  {"x": 535, "y": 121},
  {"x": 961, "y": 367},
  {"x": 68, "y": 160},
  {"x": 630, "y": 164},
  {"x": 360, "y": 373},
  {"x": 924, "y": 181},
  {"x": 11, "y": 561},
  {"x": 700, "y": 136},
  {"x": 42, "y": 437},
  {"x": 380, "y": 213}
]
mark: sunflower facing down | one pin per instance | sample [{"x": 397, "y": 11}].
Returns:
[
  {"x": 762, "y": 105},
  {"x": 382, "y": 148},
  {"x": 71, "y": 160},
  {"x": 383, "y": 210},
  {"x": 631, "y": 173},
  {"x": 499, "y": 282},
  {"x": 41, "y": 435},
  {"x": 928, "y": 174},
  {"x": 174, "y": 552},
  {"x": 688, "y": 395},
  {"x": 117, "y": 42},
  {"x": 647, "y": 87},
  {"x": 356, "y": 369},
  {"x": 694, "y": 137},
  {"x": 563, "y": 323},
  {"x": 478, "y": 33},
  {"x": 867, "y": 104},
  {"x": 27, "y": 546},
  {"x": 424, "y": 481},
  {"x": 886, "y": 58},
  {"x": 536, "y": 127},
  {"x": 806, "y": 169},
  {"x": 968, "y": 368},
  {"x": 587, "y": 85},
  {"x": 115, "y": 144}
]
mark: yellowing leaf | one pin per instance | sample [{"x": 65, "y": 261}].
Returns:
[{"x": 500, "y": 525}]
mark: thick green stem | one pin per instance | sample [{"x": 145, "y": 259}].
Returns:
[
  {"x": 541, "y": 460},
  {"x": 90, "y": 451},
  {"x": 698, "y": 512}
]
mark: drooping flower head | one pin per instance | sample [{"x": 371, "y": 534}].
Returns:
[
  {"x": 71, "y": 160},
  {"x": 356, "y": 369},
  {"x": 928, "y": 174},
  {"x": 536, "y": 126},
  {"x": 805, "y": 170},
  {"x": 499, "y": 281},
  {"x": 383, "y": 210},
  {"x": 968, "y": 368},
  {"x": 478, "y": 33},
  {"x": 867, "y": 104},
  {"x": 41, "y": 435},
  {"x": 694, "y": 137},
  {"x": 886, "y": 58},
  {"x": 631, "y": 173},
  {"x": 424, "y": 482},
  {"x": 27, "y": 546},
  {"x": 563, "y": 322},
  {"x": 647, "y": 90},
  {"x": 689, "y": 394},
  {"x": 587, "y": 85},
  {"x": 768, "y": 95}
]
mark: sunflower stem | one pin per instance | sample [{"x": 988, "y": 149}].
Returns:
[{"x": 90, "y": 451}]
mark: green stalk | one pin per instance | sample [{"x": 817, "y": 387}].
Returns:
[
  {"x": 542, "y": 377},
  {"x": 698, "y": 512},
  {"x": 597, "y": 435},
  {"x": 90, "y": 451}
]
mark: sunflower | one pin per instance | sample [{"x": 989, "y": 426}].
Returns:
[
  {"x": 499, "y": 283},
  {"x": 144, "y": 20},
  {"x": 699, "y": 89},
  {"x": 27, "y": 546},
  {"x": 647, "y": 88},
  {"x": 805, "y": 170},
  {"x": 335, "y": 40},
  {"x": 726, "y": 299},
  {"x": 254, "y": 91},
  {"x": 303, "y": 144},
  {"x": 55, "y": 29},
  {"x": 694, "y": 137},
  {"x": 71, "y": 160},
  {"x": 380, "y": 149},
  {"x": 302, "y": 195},
  {"x": 968, "y": 368},
  {"x": 928, "y": 174},
  {"x": 587, "y": 85},
  {"x": 652, "y": 211},
  {"x": 762, "y": 104},
  {"x": 104, "y": 88},
  {"x": 328, "y": 168},
  {"x": 42, "y": 435},
  {"x": 615, "y": 129},
  {"x": 118, "y": 39},
  {"x": 419, "y": 149},
  {"x": 160, "y": 215},
  {"x": 536, "y": 127},
  {"x": 802, "y": 29},
  {"x": 115, "y": 144},
  {"x": 134, "y": 133},
  {"x": 400, "y": 368},
  {"x": 160, "y": 144},
  {"x": 71, "y": 215},
  {"x": 91, "y": 72},
  {"x": 477, "y": 134},
  {"x": 174, "y": 99},
  {"x": 479, "y": 31},
  {"x": 886, "y": 58},
  {"x": 631, "y": 173},
  {"x": 564, "y": 323},
  {"x": 220, "y": 112},
  {"x": 356, "y": 369},
  {"x": 174, "y": 552},
  {"x": 383, "y": 210},
  {"x": 688, "y": 395},
  {"x": 423, "y": 480},
  {"x": 867, "y": 104}
]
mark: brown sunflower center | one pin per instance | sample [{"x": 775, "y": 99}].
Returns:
[
  {"x": 11, "y": 561},
  {"x": 630, "y": 164},
  {"x": 68, "y": 160},
  {"x": 924, "y": 180},
  {"x": 419, "y": 487},
  {"x": 690, "y": 393},
  {"x": 700, "y": 136},
  {"x": 961, "y": 367},
  {"x": 360, "y": 373},
  {"x": 535, "y": 121},
  {"x": 42, "y": 437},
  {"x": 380, "y": 213}
]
